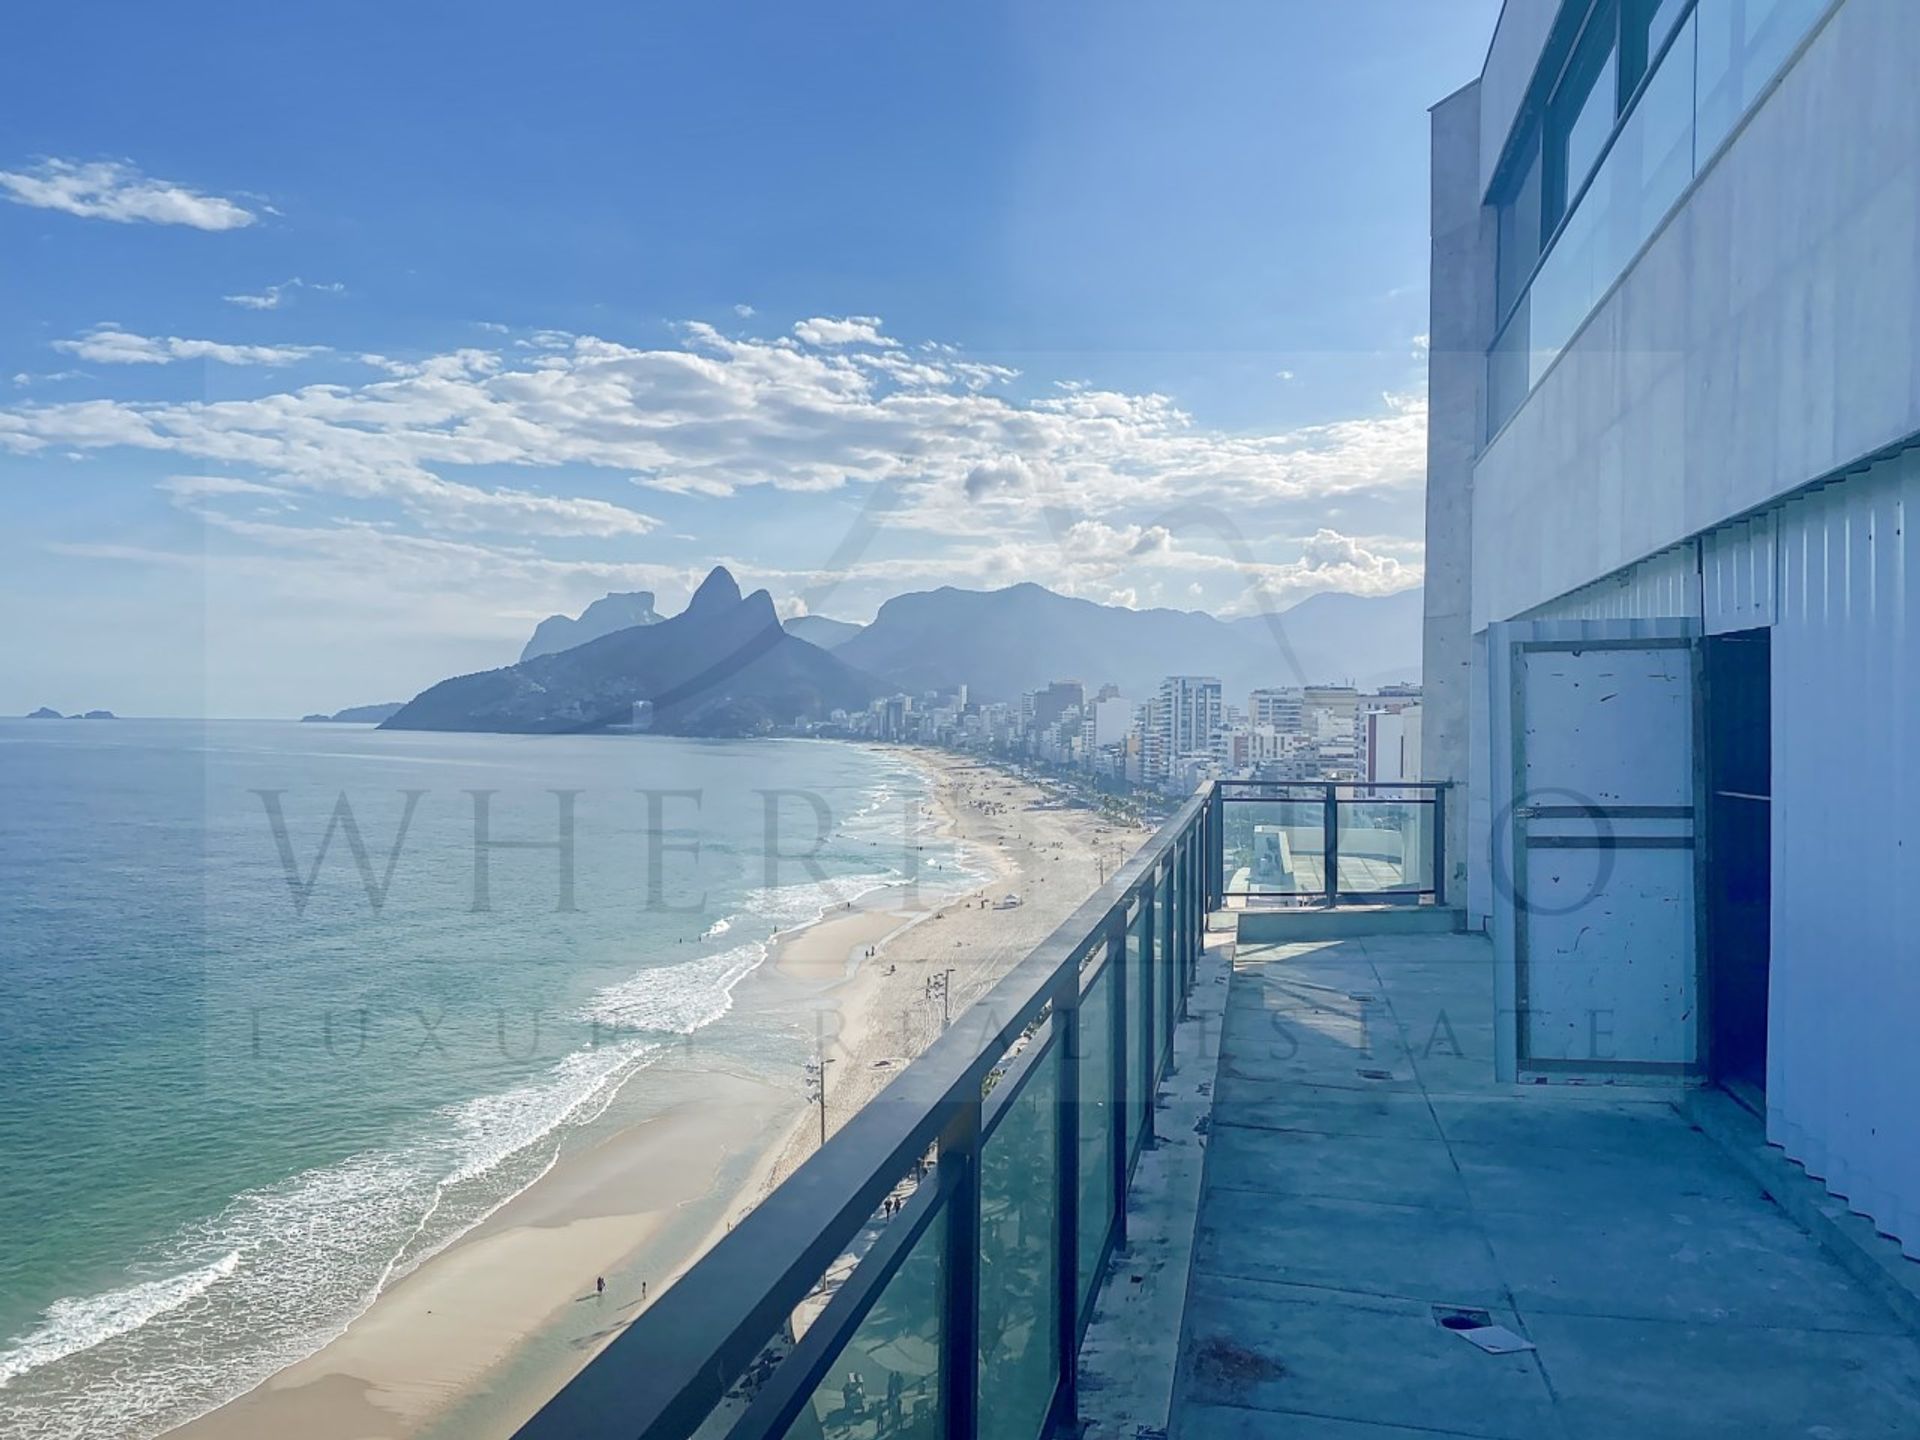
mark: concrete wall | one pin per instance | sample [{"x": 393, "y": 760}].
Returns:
[
  {"x": 1458, "y": 322},
  {"x": 1763, "y": 339}
]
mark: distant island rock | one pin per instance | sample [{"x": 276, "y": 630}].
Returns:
[
  {"x": 722, "y": 667},
  {"x": 603, "y": 617},
  {"x": 43, "y": 713},
  {"x": 99, "y": 715},
  {"x": 357, "y": 715}
]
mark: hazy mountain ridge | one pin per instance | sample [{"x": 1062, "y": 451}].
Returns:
[
  {"x": 1004, "y": 642},
  {"x": 617, "y": 611},
  {"x": 723, "y": 666},
  {"x": 820, "y": 630}
]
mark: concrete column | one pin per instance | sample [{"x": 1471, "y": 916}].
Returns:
[{"x": 1460, "y": 325}]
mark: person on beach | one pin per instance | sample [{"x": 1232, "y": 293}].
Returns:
[{"x": 599, "y": 1284}]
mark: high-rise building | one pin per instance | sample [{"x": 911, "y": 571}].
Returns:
[
  {"x": 1189, "y": 713},
  {"x": 1279, "y": 708}
]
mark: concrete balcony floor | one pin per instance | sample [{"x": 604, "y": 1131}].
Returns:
[{"x": 1362, "y": 1166}]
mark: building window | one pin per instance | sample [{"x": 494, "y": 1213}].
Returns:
[
  {"x": 1648, "y": 92},
  {"x": 1520, "y": 232},
  {"x": 1581, "y": 114}
]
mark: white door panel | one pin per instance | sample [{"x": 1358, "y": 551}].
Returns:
[{"x": 1594, "y": 775}]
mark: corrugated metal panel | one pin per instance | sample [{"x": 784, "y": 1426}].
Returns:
[
  {"x": 1843, "y": 1065},
  {"x": 1736, "y": 575},
  {"x": 1661, "y": 587}
]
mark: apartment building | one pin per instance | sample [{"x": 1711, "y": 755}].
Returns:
[{"x": 1674, "y": 443}]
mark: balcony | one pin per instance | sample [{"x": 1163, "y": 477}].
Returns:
[{"x": 1167, "y": 1178}]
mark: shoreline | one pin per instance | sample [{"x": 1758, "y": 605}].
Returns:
[{"x": 477, "y": 1336}]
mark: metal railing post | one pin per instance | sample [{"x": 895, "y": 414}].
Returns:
[
  {"x": 1184, "y": 909},
  {"x": 960, "y": 1328},
  {"x": 1066, "y": 1021},
  {"x": 1149, "y": 1071},
  {"x": 1216, "y": 846},
  {"x": 1439, "y": 812},
  {"x": 1330, "y": 842}
]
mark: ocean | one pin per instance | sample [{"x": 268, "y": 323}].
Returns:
[{"x": 246, "y": 1087}]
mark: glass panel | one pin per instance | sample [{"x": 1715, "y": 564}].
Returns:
[
  {"x": 1588, "y": 118},
  {"x": 1509, "y": 373},
  {"x": 1743, "y": 43},
  {"x": 1519, "y": 232},
  {"x": 1386, "y": 844},
  {"x": 1019, "y": 1293},
  {"x": 1163, "y": 972},
  {"x": 1660, "y": 22},
  {"x": 1273, "y": 847},
  {"x": 886, "y": 1381},
  {"x": 1096, "y": 1124},
  {"x": 1139, "y": 997},
  {"x": 1641, "y": 178}
]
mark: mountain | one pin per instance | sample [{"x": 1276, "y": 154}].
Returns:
[
  {"x": 357, "y": 715},
  {"x": 1371, "y": 640},
  {"x": 43, "y": 713},
  {"x": 723, "y": 666},
  {"x": 1003, "y": 642},
  {"x": 819, "y": 630},
  {"x": 604, "y": 616}
]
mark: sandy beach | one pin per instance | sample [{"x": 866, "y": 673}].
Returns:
[{"x": 473, "y": 1340}]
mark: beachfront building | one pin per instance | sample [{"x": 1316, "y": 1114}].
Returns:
[{"x": 1673, "y": 589}]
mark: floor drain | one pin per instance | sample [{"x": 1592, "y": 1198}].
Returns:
[
  {"x": 1374, "y": 1074},
  {"x": 1452, "y": 1317}
]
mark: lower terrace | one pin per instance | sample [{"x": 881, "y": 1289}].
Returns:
[{"x": 1166, "y": 1182}]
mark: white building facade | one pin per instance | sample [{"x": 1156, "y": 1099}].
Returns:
[{"x": 1674, "y": 419}]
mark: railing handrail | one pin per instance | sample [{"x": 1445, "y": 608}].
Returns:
[
  {"x": 668, "y": 1369},
  {"x": 1321, "y": 786}
]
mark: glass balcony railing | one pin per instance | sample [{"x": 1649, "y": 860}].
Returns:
[
  {"x": 1720, "y": 59},
  {"x": 1331, "y": 842},
  {"x": 969, "y": 1210}
]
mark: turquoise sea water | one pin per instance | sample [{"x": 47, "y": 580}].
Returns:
[{"x": 241, "y": 1095}]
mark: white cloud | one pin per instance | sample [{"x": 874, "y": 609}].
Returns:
[
  {"x": 1332, "y": 561},
  {"x": 955, "y": 453},
  {"x": 110, "y": 345},
  {"x": 852, "y": 330},
  {"x": 201, "y": 487},
  {"x": 115, "y": 190},
  {"x": 275, "y": 295},
  {"x": 744, "y": 311}
]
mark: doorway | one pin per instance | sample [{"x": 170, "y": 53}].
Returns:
[{"x": 1737, "y": 870}]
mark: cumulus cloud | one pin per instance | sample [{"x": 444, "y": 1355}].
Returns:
[
  {"x": 713, "y": 414},
  {"x": 115, "y": 190},
  {"x": 851, "y": 330},
  {"x": 274, "y": 296},
  {"x": 1331, "y": 561},
  {"x": 110, "y": 345}
]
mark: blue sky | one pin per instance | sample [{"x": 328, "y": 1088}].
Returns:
[{"x": 345, "y": 342}]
